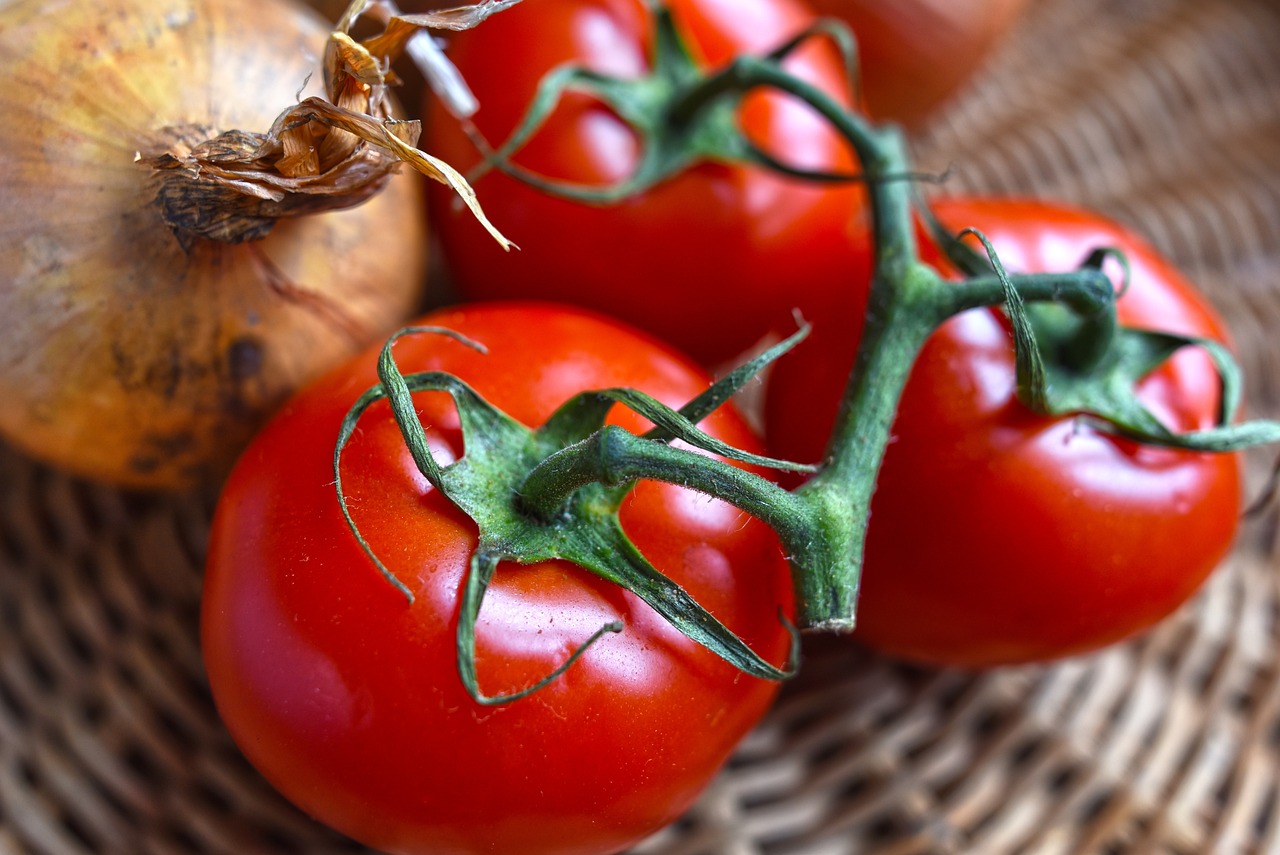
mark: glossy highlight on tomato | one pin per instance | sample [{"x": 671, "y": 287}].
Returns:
[
  {"x": 707, "y": 260},
  {"x": 1000, "y": 536},
  {"x": 346, "y": 696}
]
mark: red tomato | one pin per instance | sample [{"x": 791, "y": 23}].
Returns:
[
  {"x": 346, "y": 696},
  {"x": 708, "y": 259},
  {"x": 998, "y": 535},
  {"x": 915, "y": 54}
]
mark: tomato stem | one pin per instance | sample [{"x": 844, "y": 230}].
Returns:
[
  {"x": 613, "y": 456},
  {"x": 825, "y": 536}
]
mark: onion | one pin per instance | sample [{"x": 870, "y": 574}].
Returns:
[{"x": 172, "y": 260}]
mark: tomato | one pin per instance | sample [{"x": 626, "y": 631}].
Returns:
[
  {"x": 707, "y": 259},
  {"x": 1001, "y": 536},
  {"x": 346, "y": 696},
  {"x": 915, "y": 54}
]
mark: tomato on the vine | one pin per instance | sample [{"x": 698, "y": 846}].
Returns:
[
  {"x": 916, "y": 54},
  {"x": 708, "y": 259},
  {"x": 998, "y": 535},
  {"x": 346, "y": 696}
]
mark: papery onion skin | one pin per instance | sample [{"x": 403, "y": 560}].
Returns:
[{"x": 123, "y": 356}]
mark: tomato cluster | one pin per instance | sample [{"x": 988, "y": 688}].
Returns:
[{"x": 997, "y": 535}]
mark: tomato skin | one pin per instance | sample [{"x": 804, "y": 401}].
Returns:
[
  {"x": 708, "y": 259},
  {"x": 347, "y": 698},
  {"x": 916, "y": 54},
  {"x": 999, "y": 536}
]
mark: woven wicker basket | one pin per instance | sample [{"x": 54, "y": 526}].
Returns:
[{"x": 1162, "y": 113}]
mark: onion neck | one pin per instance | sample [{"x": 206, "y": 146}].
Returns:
[
  {"x": 321, "y": 154},
  {"x": 225, "y": 186}
]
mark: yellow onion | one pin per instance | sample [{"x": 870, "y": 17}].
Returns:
[{"x": 173, "y": 260}]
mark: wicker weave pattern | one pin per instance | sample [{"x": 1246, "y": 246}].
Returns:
[{"x": 1162, "y": 113}]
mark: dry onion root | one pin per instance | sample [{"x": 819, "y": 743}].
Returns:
[{"x": 178, "y": 246}]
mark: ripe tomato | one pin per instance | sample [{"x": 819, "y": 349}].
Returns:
[
  {"x": 706, "y": 260},
  {"x": 998, "y": 535},
  {"x": 915, "y": 54},
  {"x": 346, "y": 696}
]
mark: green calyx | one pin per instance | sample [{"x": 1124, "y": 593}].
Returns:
[
  {"x": 682, "y": 114},
  {"x": 1106, "y": 391},
  {"x": 1077, "y": 360},
  {"x": 529, "y": 506}
]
